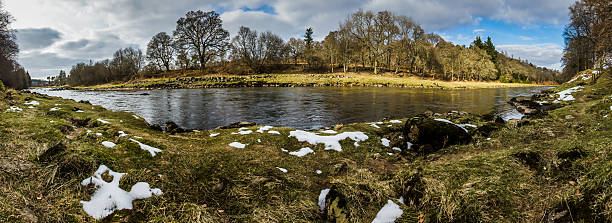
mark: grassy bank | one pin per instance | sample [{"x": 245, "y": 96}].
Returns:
[
  {"x": 556, "y": 167},
  {"x": 296, "y": 80}
]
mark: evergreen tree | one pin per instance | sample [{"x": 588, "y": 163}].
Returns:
[
  {"x": 478, "y": 43},
  {"x": 308, "y": 38},
  {"x": 490, "y": 48}
]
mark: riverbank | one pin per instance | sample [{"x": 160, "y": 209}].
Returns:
[
  {"x": 554, "y": 166},
  {"x": 297, "y": 80}
]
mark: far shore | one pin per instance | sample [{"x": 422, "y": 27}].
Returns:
[{"x": 297, "y": 80}]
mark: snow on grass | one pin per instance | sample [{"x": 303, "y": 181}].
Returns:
[
  {"x": 302, "y": 152},
  {"x": 98, "y": 134},
  {"x": 242, "y": 132},
  {"x": 388, "y": 213},
  {"x": 264, "y": 128},
  {"x": 122, "y": 134},
  {"x": 14, "y": 109},
  {"x": 274, "y": 132},
  {"x": 566, "y": 95},
  {"x": 329, "y": 132},
  {"x": 151, "y": 150},
  {"x": 34, "y": 103},
  {"x": 80, "y": 111},
  {"x": 332, "y": 142},
  {"x": 322, "y": 197},
  {"x": 259, "y": 140},
  {"x": 214, "y": 134},
  {"x": 52, "y": 121},
  {"x": 584, "y": 77},
  {"x": 136, "y": 117},
  {"x": 243, "y": 129},
  {"x": 397, "y": 149},
  {"x": 237, "y": 145},
  {"x": 610, "y": 108},
  {"x": 408, "y": 145},
  {"x": 30, "y": 107},
  {"x": 374, "y": 125},
  {"x": 395, "y": 121},
  {"x": 514, "y": 114},
  {"x": 108, "y": 144},
  {"x": 385, "y": 142},
  {"x": 110, "y": 197},
  {"x": 284, "y": 150},
  {"x": 88, "y": 130},
  {"x": 54, "y": 109},
  {"x": 102, "y": 121},
  {"x": 282, "y": 169},
  {"x": 138, "y": 137},
  {"x": 318, "y": 172}
]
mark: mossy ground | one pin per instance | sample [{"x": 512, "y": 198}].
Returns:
[
  {"x": 556, "y": 167},
  {"x": 333, "y": 79}
]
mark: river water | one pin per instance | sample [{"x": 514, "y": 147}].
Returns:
[{"x": 301, "y": 108}]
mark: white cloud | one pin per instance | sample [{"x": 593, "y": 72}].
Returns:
[
  {"x": 478, "y": 30},
  {"x": 547, "y": 55}
]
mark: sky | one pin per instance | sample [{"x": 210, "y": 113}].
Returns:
[{"x": 54, "y": 35}]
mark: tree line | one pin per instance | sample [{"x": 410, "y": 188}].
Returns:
[
  {"x": 365, "y": 42},
  {"x": 12, "y": 75},
  {"x": 588, "y": 37}
]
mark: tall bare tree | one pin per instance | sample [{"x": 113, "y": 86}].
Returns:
[
  {"x": 203, "y": 33},
  {"x": 161, "y": 50}
]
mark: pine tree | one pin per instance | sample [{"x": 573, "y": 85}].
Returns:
[
  {"x": 308, "y": 38},
  {"x": 490, "y": 48},
  {"x": 478, "y": 43}
]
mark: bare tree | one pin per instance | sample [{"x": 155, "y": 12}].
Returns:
[
  {"x": 203, "y": 33},
  {"x": 160, "y": 50},
  {"x": 296, "y": 48}
]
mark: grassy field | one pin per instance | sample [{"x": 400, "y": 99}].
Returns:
[
  {"x": 290, "y": 80},
  {"x": 555, "y": 168}
]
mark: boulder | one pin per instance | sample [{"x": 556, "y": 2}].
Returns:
[
  {"x": 173, "y": 128},
  {"x": 526, "y": 106},
  {"x": 428, "y": 135}
]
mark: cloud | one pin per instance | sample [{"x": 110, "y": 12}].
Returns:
[
  {"x": 478, "y": 30},
  {"x": 32, "y": 39},
  {"x": 41, "y": 65},
  {"x": 526, "y": 38},
  {"x": 547, "y": 54}
]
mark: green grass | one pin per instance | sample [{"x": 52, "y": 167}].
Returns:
[
  {"x": 205, "y": 180},
  {"x": 335, "y": 79}
]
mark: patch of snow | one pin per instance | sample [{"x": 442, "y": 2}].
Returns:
[
  {"x": 102, "y": 121},
  {"x": 88, "y": 131},
  {"x": 514, "y": 114},
  {"x": 488, "y": 139},
  {"x": 566, "y": 95},
  {"x": 35, "y": 103},
  {"x": 58, "y": 104},
  {"x": 122, "y": 134},
  {"x": 108, "y": 144},
  {"x": 318, "y": 172},
  {"x": 284, "y": 150},
  {"x": 98, "y": 134},
  {"x": 395, "y": 121},
  {"x": 302, "y": 152},
  {"x": 542, "y": 102},
  {"x": 282, "y": 169},
  {"x": 245, "y": 132},
  {"x": 584, "y": 76},
  {"x": 389, "y": 126},
  {"x": 397, "y": 149},
  {"x": 237, "y": 145},
  {"x": 610, "y": 108},
  {"x": 138, "y": 137},
  {"x": 80, "y": 111},
  {"x": 605, "y": 116},
  {"x": 243, "y": 129},
  {"x": 214, "y": 134},
  {"x": 374, "y": 125},
  {"x": 14, "y": 109},
  {"x": 151, "y": 150},
  {"x": 401, "y": 137},
  {"x": 329, "y": 132},
  {"x": 54, "y": 109},
  {"x": 332, "y": 142},
  {"x": 380, "y": 123},
  {"x": 264, "y": 128},
  {"x": 30, "y": 107},
  {"x": 401, "y": 199},
  {"x": 136, "y": 117},
  {"x": 52, "y": 121},
  {"x": 274, "y": 132},
  {"x": 388, "y": 213},
  {"x": 322, "y": 197},
  {"x": 390, "y": 154},
  {"x": 259, "y": 140},
  {"x": 462, "y": 126},
  {"x": 110, "y": 197},
  {"x": 468, "y": 125},
  {"x": 408, "y": 145},
  {"x": 385, "y": 142}
]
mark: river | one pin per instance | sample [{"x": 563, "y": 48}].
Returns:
[{"x": 301, "y": 108}]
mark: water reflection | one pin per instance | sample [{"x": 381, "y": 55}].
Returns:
[{"x": 301, "y": 108}]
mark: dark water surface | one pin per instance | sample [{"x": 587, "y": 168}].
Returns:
[{"x": 302, "y": 108}]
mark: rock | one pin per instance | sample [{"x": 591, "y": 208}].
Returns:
[
  {"x": 338, "y": 127},
  {"x": 85, "y": 102},
  {"x": 428, "y": 135},
  {"x": 75, "y": 109},
  {"x": 526, "y": 106},
  {"x": 173, "y": 128},
  {"x": 156, "y": 127},
  {"x": 238, "y": 125},
  {"x": 486, "y": 129}
]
